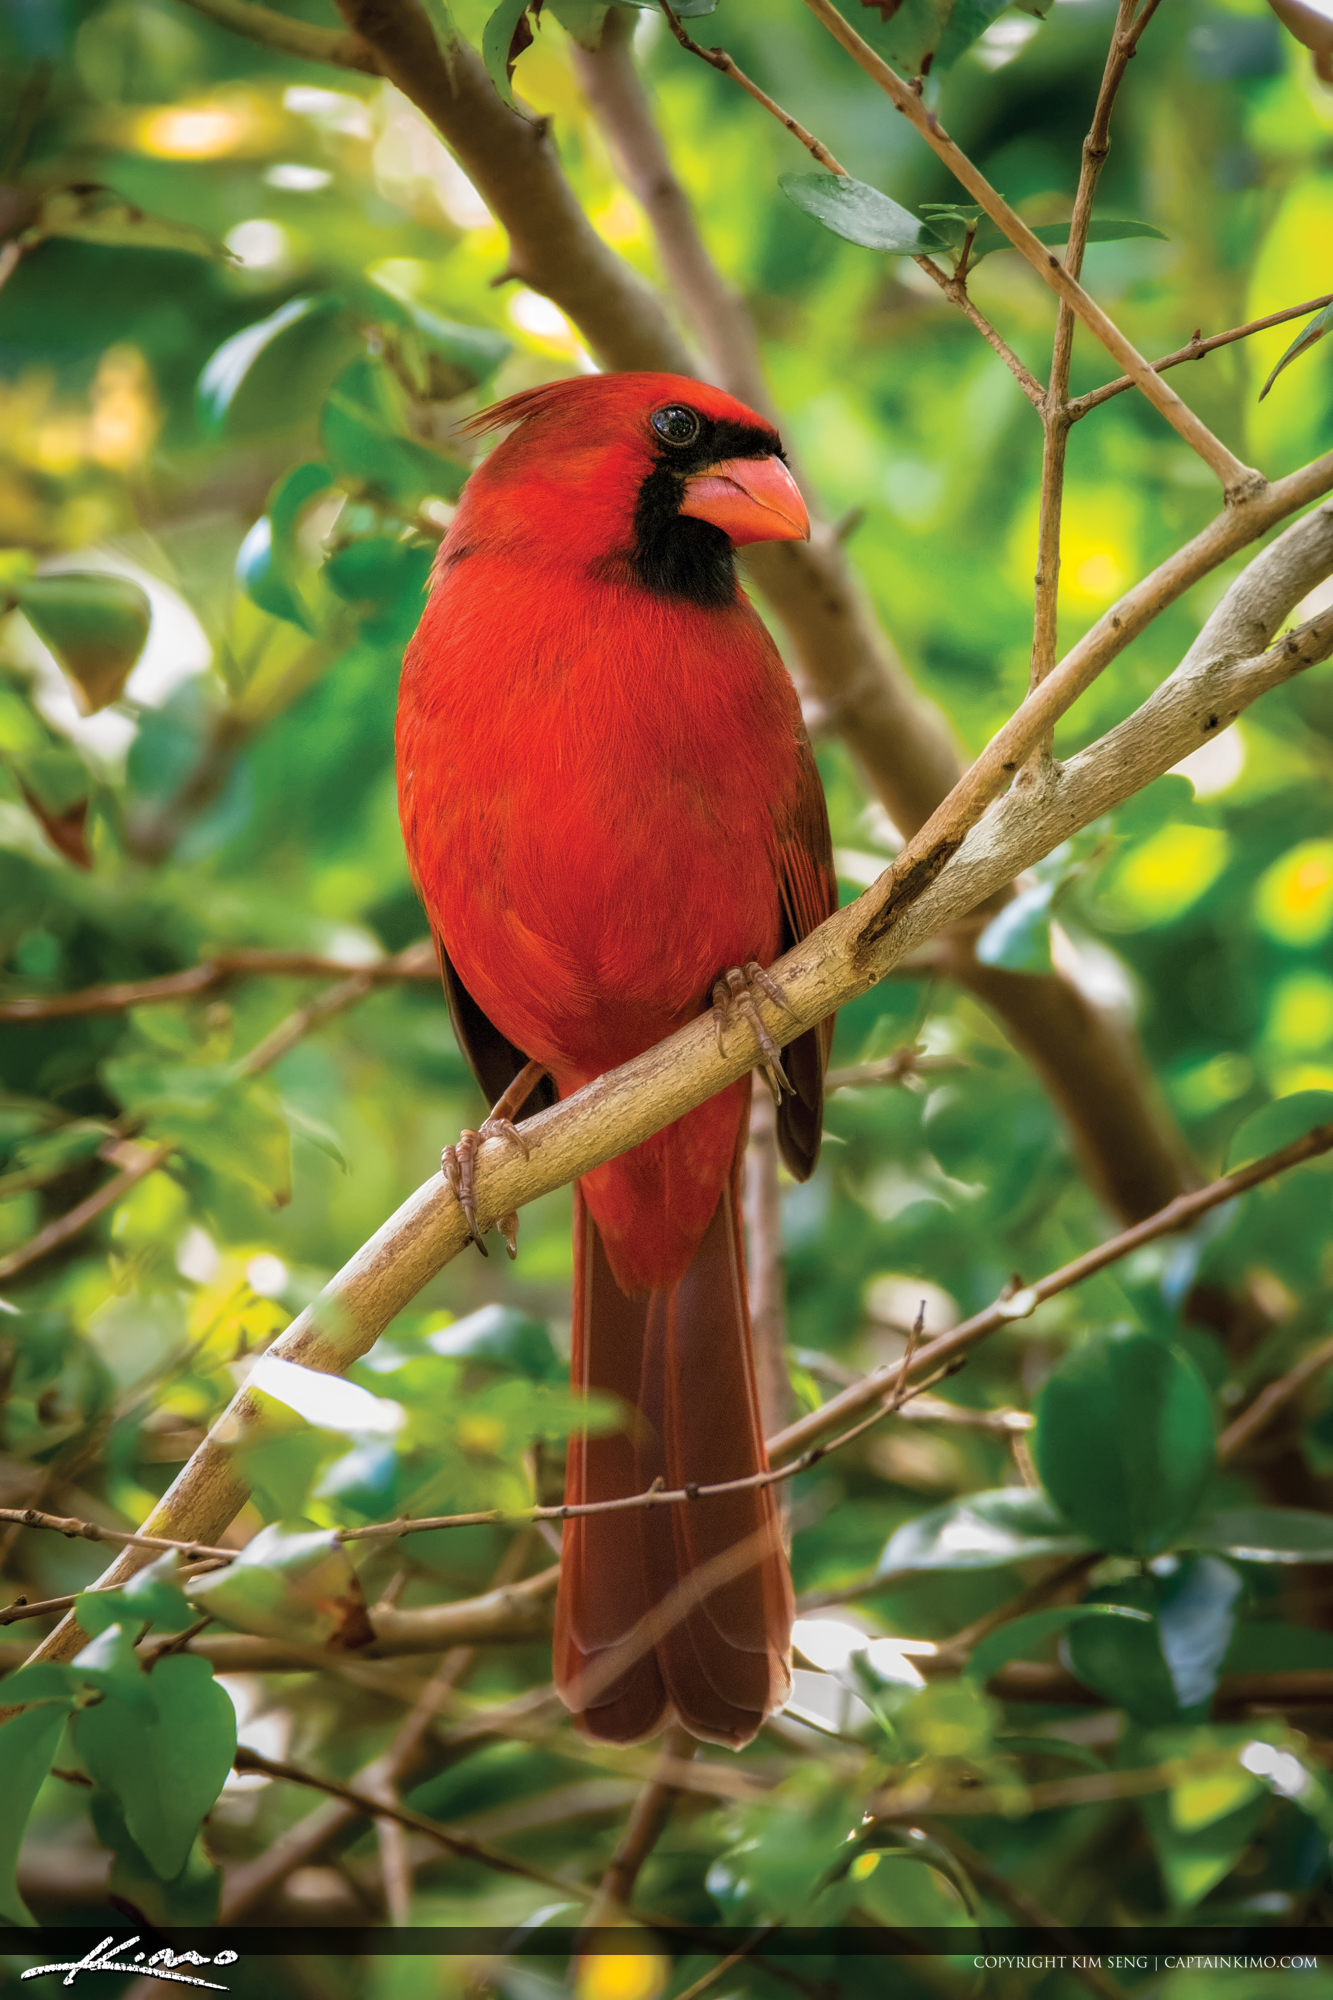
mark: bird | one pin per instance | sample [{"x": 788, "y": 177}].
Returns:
[{"x": 613, "y": 816}]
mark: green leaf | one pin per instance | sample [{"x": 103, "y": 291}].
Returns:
[
  {"x": 379, "y": 569},
  {"x": 94, "y": 623},
  {"x": 503, "y": 40},
  {"x": 463, "y": 355},
  {"x": 27, "y": 1744},
  {"x": 1020, "y": 1638},
  {"x": 290, "y": 1582},
  {"x": 277, "y": 339},
  {"x": 917, "y": 36},
  {"x": 90, "y": 213},
  {"x": 1102, "y": 229},
  {"x": 1010, "y": 1524},
  {"x": 1196, "y": 1616},
  {"x": 260, "y": 576},
  {"x": 1265, "y": 1534},
  {"x": 361, "y": 428},
  {"x": 1124, "y": 1440},
  {"x": 1309, "y": 336},
  {"x": 504, "y": 1337},
  {"x": 1121, "y": 1659},
  {"x": 1018, "y": 937},
  {"x": 1276, "y": 1125},
  {"x": 192, "y": 1897},
  {"x": 859, "y": 213},
  {"x": 151, "y": 1597},
  {"x": 164, "y": 1773}
]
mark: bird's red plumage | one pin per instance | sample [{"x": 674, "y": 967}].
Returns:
[{"x": 608, "y": 799}]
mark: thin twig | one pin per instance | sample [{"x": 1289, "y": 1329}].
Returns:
[
  {"x": 952, "y": 285},
  {"x": 1240, "y": 483},
  {"x": 1241, "y": 1432},
  {"x": 643, "y": 1829},
  {"x": 1054, "y": 417},
  {"x": 1194, "y": 350},
  {"x": 93, "y": 1531},
  {"x": 417, "y": 962}
]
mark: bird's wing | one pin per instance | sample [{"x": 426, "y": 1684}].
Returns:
[
  {"x": 809, "y": 892},
  {"x": 493, "y": 1059}
]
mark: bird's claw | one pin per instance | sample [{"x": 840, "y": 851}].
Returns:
[
  {"x": 734, "y": 994},
  {"x": 458, "y": 1165}
]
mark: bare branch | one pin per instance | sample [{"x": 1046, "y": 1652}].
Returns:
[
  {"x": 1241, "y": 1432},
  {"x": 1240, "y": 483},
  {"x": 1194, "y": 350},
  {"x": 720, "y": 60},
  {"x": 961, "y": 859},
  {"x": 417, "y": 962}
]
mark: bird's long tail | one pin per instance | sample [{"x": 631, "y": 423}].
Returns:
[{"x": 679, "y": 1611}]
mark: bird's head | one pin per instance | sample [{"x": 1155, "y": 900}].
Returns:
[{"x": 652, "y": 479}]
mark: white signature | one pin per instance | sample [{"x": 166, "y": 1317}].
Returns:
[{"x": 160, "y": 1966}]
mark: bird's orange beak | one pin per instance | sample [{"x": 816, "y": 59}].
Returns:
[{"x": 750, "y": 499}]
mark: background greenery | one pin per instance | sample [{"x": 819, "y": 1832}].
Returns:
[{"x": 267, "y": 448}]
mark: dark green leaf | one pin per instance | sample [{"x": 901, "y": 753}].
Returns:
[
  {"x": 1011, "y": 1524},
  {"x": 151, "y": 1597},
  {"x": 362, "y": 427},
  {"x": 27, "y": 1744},
  {"x": 165, "y": 1771},
  {"x": 94, "y": 214},
  {"x": 504, "y": 1337},
  {"x": 1121, "y": 1659},
  {"x": 1265, "y": 1534},
  {"x": 1277, "y": 1124},
  {"x": 95, "y": 624},
  {"x": 859, "y": 213},
  {"x": 279, "y": 339},
  {"x": 1020, "y": 1638},
  {"x": 1124, "y": 1440},
  {"x": 1309, "y": 336},
  {"x": 1102, "y": 229},
  {"x": 1196, "y": 1616},
  {"x": 260, "y": 576}
]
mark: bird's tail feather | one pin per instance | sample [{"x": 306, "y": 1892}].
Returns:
[{"x": 680, "y": 1611}]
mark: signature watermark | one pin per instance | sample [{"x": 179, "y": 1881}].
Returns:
[{"x": 110, "y": 1957}]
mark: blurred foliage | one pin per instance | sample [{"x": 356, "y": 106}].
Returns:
[{"x": 249, "y": 304}]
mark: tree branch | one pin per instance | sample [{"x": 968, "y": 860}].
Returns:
[
  {"x": 1241, "y": 1432},
  {"x": 1240, "y": 483},
  {"x": 1054, "y": 416},
  {"x": 933, "y": 883},
  {"x": 417, "y": 962},
  {"x": 1194, "y": 350},
  {"x": 288, "y": 35}
]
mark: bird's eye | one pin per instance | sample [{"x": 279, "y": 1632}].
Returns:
[{"x": 675, "y": 424}]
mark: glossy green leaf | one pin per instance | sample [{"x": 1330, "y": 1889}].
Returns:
[
  {"x": 269, "y": 562},
  {"x": 164, "y": 1771},
  {"x": 91, "y": 213},
  {"x": 362, "y": 429},
  {"x": 1309, "y": 336},
  {"x": 1020, "y": 1638},
  {"x": 502, "y": 1336},
  {"x": 1124, "y": 1440},
  {"x": 1102, "y": 229},
  {"x": 860, "y": 213},
  {"x": 27, "y": 1744},
  {"x": 260, "y": 576},
  {"x": 96, "y": 624},
  {"x": 920, "y": 37},
  {"x": 277, "y": 340},
  {"x": 1196, "y": 1617},
  {"x": 1265, "y": 1534},
  {"x": 1277, "y": 1124},
  {"x": 151, "y": 1597},
  {"x": 289, "y": 1582},
  {"x": 1018, "y": 937},
  {"x": 1121, "y": 1659},
  {"x": 1011, "y": 1524}
]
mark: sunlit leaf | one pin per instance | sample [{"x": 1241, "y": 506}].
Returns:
[
  {"x": 91, "y": 213},
  {"x": 1020, "y": 1638},
  {"x": 503, "y": 39},
  {"x": 1011, "y": 1524},
  {"x": 852, "y": 209},
  {"x": 278, "y": 338}
]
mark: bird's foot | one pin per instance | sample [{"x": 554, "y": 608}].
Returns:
[
  {"x": 458, "y": 1162},
  {"x": 735, "y": 994}
]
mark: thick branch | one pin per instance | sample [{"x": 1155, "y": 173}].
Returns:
[
  {"x": 288, "y": 35},
  {"x": 931, "y": 885},
  {"x": 1239, "y": 482}
]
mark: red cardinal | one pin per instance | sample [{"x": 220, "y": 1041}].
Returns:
[{"x": 613, "y": 815}]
